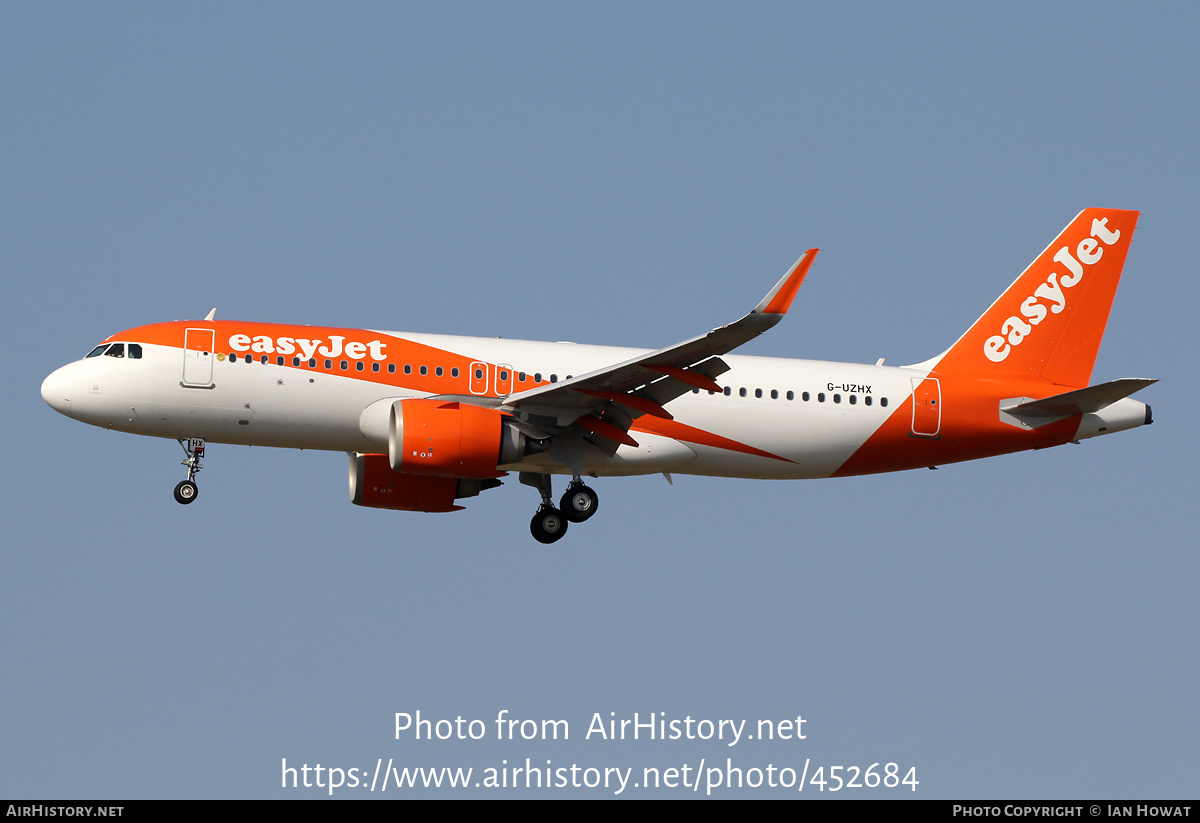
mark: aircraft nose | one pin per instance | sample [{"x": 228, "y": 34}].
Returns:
[{"x": 56, "y": 391}]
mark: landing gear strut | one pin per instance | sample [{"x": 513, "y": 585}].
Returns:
[
  {"x": 186, "y": 490},
  {"x": 548, "y": 523}
]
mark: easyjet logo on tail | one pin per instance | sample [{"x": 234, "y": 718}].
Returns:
[{"x": 1015, "y": 329}]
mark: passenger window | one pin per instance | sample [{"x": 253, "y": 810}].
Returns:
[
  {"x": 503, "y": 375},
  {"x": 391, "y": 368},
  {"x": 407, "y": 369},
  {"x": 728, "y": 390},
  {"x": 774, "y": 394},
  {"x": 537, "y": 378},
  {"x": 438, "y": 371},
  {"x": 115, "y": 350},
  {"x": 329, "y": 364},
  {"x": 520, "y": 377},
  {"x": 553, "y": 377},
  {"x": 867, "y": 399},
  {"x": 96, "y": 352},
  {"x": 135, "y": 351},
  {"x": 345, "y": 365},
  {"x": 758, "y": 392},
  {"x": 424, "y": 370},
  {"x": 264, "y": 359},
  {"x": 883, "y": 402},
  {"x": 454, "y": 372},
  {"x": 837, "y": 398},
  {"x": 279, "y": 360},
  {"x": 359, "y": 365},
  {"x": 374, "y": 367},
  {"x": 820, "y": 397},
  {"x": 295, "y": 361},
  {"x": 853, "y": 399},
  {"x": 742, "y": 391}
]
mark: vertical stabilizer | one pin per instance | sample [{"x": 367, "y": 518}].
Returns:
[{"x": 1049, "y": 323}]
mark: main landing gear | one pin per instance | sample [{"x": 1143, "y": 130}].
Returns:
[
  {"x": 549, "y": 524},
  {"x": 186, "y": 490}
]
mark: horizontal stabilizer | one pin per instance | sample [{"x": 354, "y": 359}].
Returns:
[{"x": 1081, "y": 401}]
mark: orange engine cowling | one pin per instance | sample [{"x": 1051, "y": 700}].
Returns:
[
  {"x": 374, "y": 484},
  {"x": 441, "y": 438}
]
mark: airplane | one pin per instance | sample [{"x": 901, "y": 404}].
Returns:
[{"x": 428, "y": 420}]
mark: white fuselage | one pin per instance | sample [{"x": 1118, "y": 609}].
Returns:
[{"x": 265, "y": 404}]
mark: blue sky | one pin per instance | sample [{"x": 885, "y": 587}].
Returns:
[{"x": 615, "y": 173}]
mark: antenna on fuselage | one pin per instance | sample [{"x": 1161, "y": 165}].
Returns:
[{"x": 211, "y": 313}]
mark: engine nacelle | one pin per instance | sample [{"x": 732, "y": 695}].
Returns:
[
  {"x": 374, "y": 484},
  {"x": 442, "y": 438}
]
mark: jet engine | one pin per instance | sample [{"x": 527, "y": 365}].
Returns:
[
  {"x": 441, "y": 438},
  {"x": 374, "y": 484}
]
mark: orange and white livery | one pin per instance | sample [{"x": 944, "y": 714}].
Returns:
[{"x": 429, "y": 419}]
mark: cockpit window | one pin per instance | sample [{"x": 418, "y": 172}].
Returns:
[{"x": 117, "y": 350}]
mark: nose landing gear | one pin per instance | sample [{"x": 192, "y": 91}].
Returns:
[{"x": 186, "y": 490}]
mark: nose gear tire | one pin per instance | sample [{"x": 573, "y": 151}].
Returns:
[{"x": 186, "y": 492}]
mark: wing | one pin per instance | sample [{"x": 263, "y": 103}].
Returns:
[{"x": 606, "y": 401}]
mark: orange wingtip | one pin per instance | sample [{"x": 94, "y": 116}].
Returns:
[{"x": 781, "y": 301}]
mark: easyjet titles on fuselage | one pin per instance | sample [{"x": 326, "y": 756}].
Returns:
[{"x": 264, "y": 344}]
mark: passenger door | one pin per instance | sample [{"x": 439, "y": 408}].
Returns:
[{"x": 198, "y": 358}]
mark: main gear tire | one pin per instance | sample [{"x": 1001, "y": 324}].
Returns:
[
  {"x": 548, "y": 525},
  {"x": 579, "y": 503}
]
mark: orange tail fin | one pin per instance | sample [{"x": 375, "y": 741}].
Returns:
[{"x": 1049, "y": 323}]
